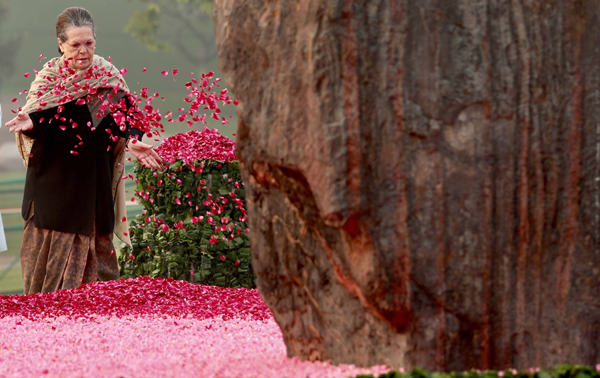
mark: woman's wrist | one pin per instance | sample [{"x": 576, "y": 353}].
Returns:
[{"x": 130, "y": 141}]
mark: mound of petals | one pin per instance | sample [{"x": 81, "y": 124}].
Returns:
[
  {"x": 139, "y": 296},
  {"x": 197, "y": 145},
  {"x": 153, "y": 346},
  {"x": 149, "y": 327}
]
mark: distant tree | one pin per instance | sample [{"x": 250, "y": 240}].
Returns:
[
  {"x": 8, "y": 46},
  {"x": 185, "y": 18}
]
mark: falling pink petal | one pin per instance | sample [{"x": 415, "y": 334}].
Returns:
[
  {"x": 14, "y": 100},
  {"x": 164, "y": 73}
]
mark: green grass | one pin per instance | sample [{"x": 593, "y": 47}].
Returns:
[{"x": 10, "y": 280}]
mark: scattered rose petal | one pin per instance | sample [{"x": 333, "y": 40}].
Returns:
[{"x": 114, "y": 328}]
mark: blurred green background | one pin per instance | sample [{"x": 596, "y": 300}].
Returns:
[{"x": 136, "y": 34}]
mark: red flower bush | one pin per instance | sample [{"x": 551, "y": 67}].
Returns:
[
  {"x": 194, "y": 225},
  {"x": 197, "y": 145}
]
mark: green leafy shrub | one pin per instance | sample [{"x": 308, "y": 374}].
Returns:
[
  {"x": 194, "y": 225},
  {"x": 560, "y": 371}
]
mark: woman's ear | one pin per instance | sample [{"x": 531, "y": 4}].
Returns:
[{"x": 60, "y": 45}]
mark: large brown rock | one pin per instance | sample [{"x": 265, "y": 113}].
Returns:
[{"x": 423, "y": 176}]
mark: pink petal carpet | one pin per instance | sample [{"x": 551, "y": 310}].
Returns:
[{"x": 147, "y": 327}]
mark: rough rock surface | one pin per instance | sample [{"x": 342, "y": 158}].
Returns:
[{"x": 423, "y": 176}]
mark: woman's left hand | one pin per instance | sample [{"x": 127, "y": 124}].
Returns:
[{"x": 145, "y": 154}]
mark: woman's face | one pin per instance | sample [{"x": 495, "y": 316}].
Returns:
[{"x": 79, "y": 46}]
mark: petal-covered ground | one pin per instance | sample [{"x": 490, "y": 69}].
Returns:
[{"x": 148, "y": 328}]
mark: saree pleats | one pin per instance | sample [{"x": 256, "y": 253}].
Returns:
[{"x": 54, "y": 260}]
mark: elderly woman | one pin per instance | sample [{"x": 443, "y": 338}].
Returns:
[{"x": 73, "y": 147}]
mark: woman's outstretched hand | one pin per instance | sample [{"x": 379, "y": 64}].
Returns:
[
  {"x": 145, "y": 154},
  {"x": 21, "y": 122}
]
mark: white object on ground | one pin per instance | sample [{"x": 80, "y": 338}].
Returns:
[{"x": 3, "y": 246}]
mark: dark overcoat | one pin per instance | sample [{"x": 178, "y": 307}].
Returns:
[{"x": 69, "y": 175}]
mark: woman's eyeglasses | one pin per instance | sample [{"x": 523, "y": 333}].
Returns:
[{"x": 89, "y": 44}]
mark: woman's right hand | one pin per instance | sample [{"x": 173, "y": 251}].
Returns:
[{"x": 21, "y": 122}]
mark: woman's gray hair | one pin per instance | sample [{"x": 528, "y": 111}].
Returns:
[{"x": 71, "y": 18}]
